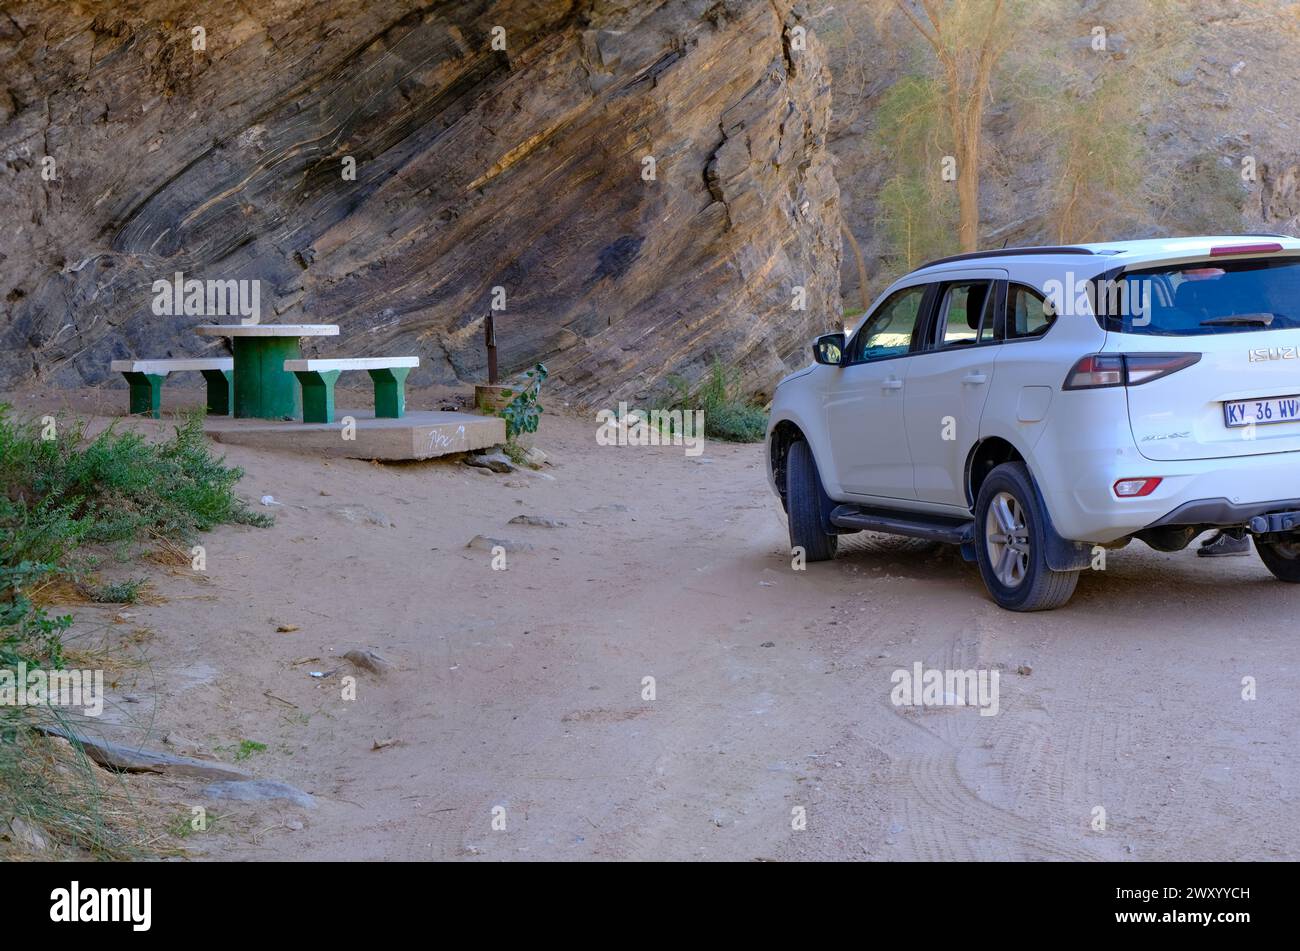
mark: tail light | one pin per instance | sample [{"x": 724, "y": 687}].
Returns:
[
  {"x": 1135, "y": 488},
  {"x": 1099, "y": 370}
]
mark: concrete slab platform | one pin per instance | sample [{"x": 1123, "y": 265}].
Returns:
[{"x": 417, "y": 435}]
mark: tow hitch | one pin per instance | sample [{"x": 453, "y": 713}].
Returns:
[{"x": 1274, "y": 522}]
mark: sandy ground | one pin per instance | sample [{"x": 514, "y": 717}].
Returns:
[{"x": 522, "y": 688}]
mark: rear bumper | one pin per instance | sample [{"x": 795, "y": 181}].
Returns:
[
  {"x": 1221, "y": 513},
  {"x": 1212, "y": 492}
]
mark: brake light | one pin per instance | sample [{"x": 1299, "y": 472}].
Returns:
[
  {"x": 1099, "y": 370},
  {"x": 1245, "y": 249},
  {"x": 1135, "y": 488}
]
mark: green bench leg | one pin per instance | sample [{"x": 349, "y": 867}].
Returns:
[
  {"x": 146, "y": 393},
  {"x": 221, "y": 390},
  {"x": 317, "y": 394},
  {"x": 390, "y": 392}
]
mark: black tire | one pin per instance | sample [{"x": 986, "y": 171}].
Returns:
[
  {"x": 807, "y": 505},
  {"x": 1020, "y": 580},
  {"x": 1281, "y": 558}
]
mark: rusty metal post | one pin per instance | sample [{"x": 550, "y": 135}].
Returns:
[{"x": 490, "y": 338}]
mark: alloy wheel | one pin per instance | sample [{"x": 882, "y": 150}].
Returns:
[{"x": 1007, "y": 539}]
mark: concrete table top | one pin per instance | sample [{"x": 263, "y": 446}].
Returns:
[{"x": 268, "y": 330}]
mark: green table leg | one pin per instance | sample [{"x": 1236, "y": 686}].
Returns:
[
  {"x": 220, "y": 390},
  {"x": 390, "y": 391},
  {"x": 317, "y": 394},
  {"x": 146, "y": 393},
  {"x": 263, "y": 388}
]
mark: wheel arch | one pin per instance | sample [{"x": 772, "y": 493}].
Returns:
[
  {"x": 783, "y": 433},
  {"x": 985, "y": 456},
  {"x": 1063, "y": 554}
]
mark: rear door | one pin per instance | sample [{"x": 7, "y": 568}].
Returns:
[
  {"x": 949, "y": 381},
  {"x": 1243, "y": 396}
]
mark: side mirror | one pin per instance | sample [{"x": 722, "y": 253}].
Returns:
[{"x": 828, "y": 349}]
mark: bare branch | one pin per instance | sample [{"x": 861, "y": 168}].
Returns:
[{"x": 931, "y": 38}]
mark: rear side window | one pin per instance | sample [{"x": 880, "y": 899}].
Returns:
[
  {"x": 1028, "y": 314},
  {"x": 1216, "y": 297},
  {"x": 962, "y": 319}
]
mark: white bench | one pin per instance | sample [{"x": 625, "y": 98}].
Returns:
[
  {"x": 145, "y": 378},
  {"x": 317, "y": 378}
]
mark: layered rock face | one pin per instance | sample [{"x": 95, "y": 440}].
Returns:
[{"x": 644, "y": 186}]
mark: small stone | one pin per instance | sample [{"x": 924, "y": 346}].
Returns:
[
  {"x": 184, "y": 744},
  {"x": 1024, "y": 670},
  {"x": 286, "y": 628},
  {"x": 512, "y": 484},
  {"x": 22, "y": 832},
  {"x": 259, "y": 790},
  {"x": 534, "y": 456},
  {"x": 496, "y": 461},
  {"x": 368, "y": 660},
  {"x": 538, "y": 521},
  {"x": 487, "y": 543},
  {"x": 768, "y": 644}
]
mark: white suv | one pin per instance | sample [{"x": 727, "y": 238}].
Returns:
[{"x": 1037, "y": 405}]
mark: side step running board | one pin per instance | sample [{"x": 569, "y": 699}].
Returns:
[{"x": 936, "y": 528}]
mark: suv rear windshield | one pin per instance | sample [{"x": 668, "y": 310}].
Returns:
[{"x": 1206, "y": 297}]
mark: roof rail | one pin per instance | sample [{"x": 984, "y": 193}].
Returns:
[{"x": 1005, "y": 252}]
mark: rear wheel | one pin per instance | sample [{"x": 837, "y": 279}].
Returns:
[
  {"x": 807, "y": 505},
  {"x": 1010, "y": 544},
  {"x": 1281, "y": 558}
]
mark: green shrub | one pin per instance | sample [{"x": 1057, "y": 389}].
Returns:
[
  {"x": 58, "y": 495},
  {"x": 727, "y": 416}
]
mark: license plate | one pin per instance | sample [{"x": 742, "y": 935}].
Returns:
[{"x": 1280, "y": 409}]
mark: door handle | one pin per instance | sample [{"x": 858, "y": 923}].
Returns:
[
  {"x": 892, "y": 384},
  {"x": 975, "y": 378}
]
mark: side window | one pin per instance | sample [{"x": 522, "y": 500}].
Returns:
[
  {"x": 888, "y": 332},
  {"x": 964, "y": 318},
  {"x": 1027, "y": 313}
]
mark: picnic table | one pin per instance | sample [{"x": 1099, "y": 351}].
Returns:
[{"x": 264, "y": 389}]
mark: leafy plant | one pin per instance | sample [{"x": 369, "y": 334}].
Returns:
[
  {"x": 727, "y": 416},
  {"x": 247, "y": 748},
  {"x": 523, "y": 412},
  {"x": 123, "y": 592}
]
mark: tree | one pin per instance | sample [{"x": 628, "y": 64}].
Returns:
[
  {"x": 968, "y": 39},
  {"x": 1105, "y": 178}
]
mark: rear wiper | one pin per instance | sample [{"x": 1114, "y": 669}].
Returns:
[{"x": 1261, "y": 320}]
